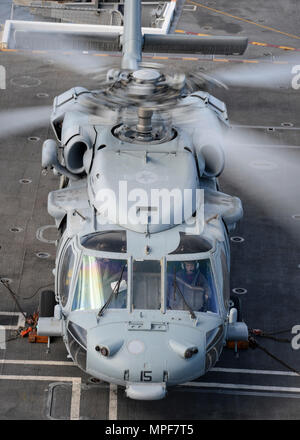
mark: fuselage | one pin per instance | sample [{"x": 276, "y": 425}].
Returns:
[{"x": 142, "y": 268}]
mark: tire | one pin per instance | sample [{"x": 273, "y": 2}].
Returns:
[
  {"x": 47, "y": 304},
  {"x": 236, "y": 303}
]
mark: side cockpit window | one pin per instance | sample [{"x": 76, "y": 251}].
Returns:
[{"x": 66, "y": 274}]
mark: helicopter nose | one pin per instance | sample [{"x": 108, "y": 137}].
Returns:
[{"x": 146, "y": 361}]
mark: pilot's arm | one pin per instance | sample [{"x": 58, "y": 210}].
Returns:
[
  {"x": 171, "y": 293},
  {"x": 202, "y": 283}
]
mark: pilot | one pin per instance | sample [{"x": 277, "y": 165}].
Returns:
[{"x": 192, "y": 284}]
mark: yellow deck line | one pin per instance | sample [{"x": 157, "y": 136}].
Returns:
[
  {"x": 223, "y": 60},
  {"x": 244, "y": 20},
  {"x": 286, "y": 48},
  {"x": 254, "y": 43}
]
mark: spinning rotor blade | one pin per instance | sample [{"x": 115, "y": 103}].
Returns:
[
  {"x": 261, "y": 73},
  {"x": 22, "y": 120},
  {"x": 73, "y": 47},
  {"x": 78, "y": 62},
  {"x": 258, "y": 168},
  {"x": 263, "y": 173}
]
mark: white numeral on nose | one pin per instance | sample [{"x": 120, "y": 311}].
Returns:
[{"x": 2, "y": 78}]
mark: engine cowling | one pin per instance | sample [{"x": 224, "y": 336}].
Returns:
[
  {"x": 77, "y": 138},
  {"x": 211, "y": 159},
  {"x": 208, "y": 144},
  {"x": 74, "y": 152}
]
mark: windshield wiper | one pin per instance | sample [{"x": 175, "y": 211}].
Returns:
[
  {"x": 193, "y": 316},
  {"x": 115, "y": 293}
]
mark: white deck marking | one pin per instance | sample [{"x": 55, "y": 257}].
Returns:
[
  {"x": 75, "y": 402},
  {"x": 113, "y": 402},
  {"x": 113, "y": 396},
  {"x": 252, "y": 371},
  {"x": 215, "y": 369},
  {"x": 36, "y": 362},
  {"x": 2, "y": 338},
  {"x": 21, "y": 320},
  {"x": 76, "y": 388},
  {"x": 233, "y": 386},
  {"x": 189, "y": 8}
]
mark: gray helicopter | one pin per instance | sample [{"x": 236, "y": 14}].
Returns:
[{"x": 142, "y": 296}]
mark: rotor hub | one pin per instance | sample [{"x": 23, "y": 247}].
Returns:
[
  {"x": 142, "y": 75},
  {"x": 143, "y": 99}
]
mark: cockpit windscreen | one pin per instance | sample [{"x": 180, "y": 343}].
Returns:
[
  {"x": 97, "y": 279},
  {"x": 191, "y": 286}
]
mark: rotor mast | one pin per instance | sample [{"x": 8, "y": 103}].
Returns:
[
  {"x": 132, "y": 35},
  {"x": 132, "y": 42}
]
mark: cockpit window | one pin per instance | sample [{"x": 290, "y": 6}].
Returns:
[
  {"x": 190, "y": 286},
  {"x": 146, "y": 284},
  {"x": 109, "y": 241},
  {"x": 66, "y": 273},
  {"x": 192, "y": 244},
  {"x": 97, "y": 279}
]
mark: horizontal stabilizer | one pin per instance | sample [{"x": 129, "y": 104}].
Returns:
[
  {"x": 78, "y": 37},
  {"x": 38, "y": 40},
  {"x": 194, "y": 44}
]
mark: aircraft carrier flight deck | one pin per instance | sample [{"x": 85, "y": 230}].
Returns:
[{"x": 261, "y": 382}]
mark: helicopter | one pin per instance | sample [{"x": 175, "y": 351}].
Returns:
[
  {"x": 142, "y": 296},
  {"x": 131, "y": 287}
]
